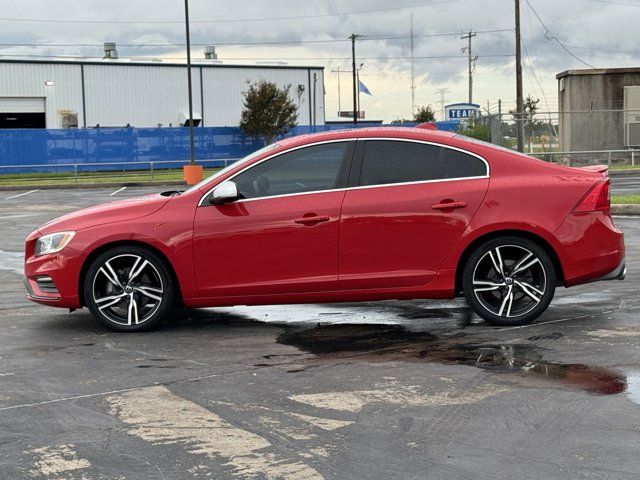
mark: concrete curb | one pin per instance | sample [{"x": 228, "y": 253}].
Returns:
[
  {"x": 624, "y": 173},
  {"x": 625, "y": 209},
  {"x": 13, "y": 188}
]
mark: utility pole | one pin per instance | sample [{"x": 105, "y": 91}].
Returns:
[
  {"x": 413, "y": 76},
  {"x": 472, "y": 62},
  {"x": 519, "y": 99},
  {"x": 353, "y": 37},
  {"x": 192, "y": 160},
  {"x": 442, "y": 92}
]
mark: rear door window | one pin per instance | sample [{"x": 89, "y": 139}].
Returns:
[{"x": 392, "y": 161}]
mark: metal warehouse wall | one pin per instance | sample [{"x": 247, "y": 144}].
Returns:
[
  {"x": 145, "y": 95},
  {"x": 223, "y": 89},
  {"x": 28, "y": 80},
  {"x": 142, "y": 96}
]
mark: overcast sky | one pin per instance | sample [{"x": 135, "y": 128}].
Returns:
[{"x": 600, "y": 33}]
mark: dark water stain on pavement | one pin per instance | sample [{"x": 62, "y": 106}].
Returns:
[{"x": 396, "y": 343}]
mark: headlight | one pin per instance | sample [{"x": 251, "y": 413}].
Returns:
[{"x": 52, "y": 243}]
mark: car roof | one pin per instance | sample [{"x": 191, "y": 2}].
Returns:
[{"x": 368, "y": 132}]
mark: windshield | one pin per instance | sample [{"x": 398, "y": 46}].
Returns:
[{"x": 221, "y": 172}]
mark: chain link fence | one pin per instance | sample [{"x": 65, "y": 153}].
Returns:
[{"x": 570, "y": 138}]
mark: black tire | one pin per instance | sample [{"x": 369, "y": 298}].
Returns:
[
  {"x": 110, "y": 299},
  {"x": 502, "y": 297}
]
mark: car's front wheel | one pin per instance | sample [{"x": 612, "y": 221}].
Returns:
[
  {"x": 509, "y": 281},
  {"x": 129, "y": 289}
]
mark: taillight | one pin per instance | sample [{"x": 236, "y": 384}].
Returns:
[{"x": 597, "y": 199}]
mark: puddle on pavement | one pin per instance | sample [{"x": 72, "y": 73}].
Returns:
[{"x": 396, "y": 343}]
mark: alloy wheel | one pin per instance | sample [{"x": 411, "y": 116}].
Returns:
[
  {"x": 509, "y": 281},
  {"x": 127, "y": 289}
]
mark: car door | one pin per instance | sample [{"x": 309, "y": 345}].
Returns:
[
  {"x": 281, "y": 236},
  {"x": 409, "y": 204}
]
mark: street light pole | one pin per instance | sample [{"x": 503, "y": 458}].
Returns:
[
  {"x": 190, "y": 87},
  {"x": 519, "y": 96},
  {"x": 353, "y": 38}
]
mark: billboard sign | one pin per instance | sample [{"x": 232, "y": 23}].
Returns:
[{"x": 461, "y": 111}]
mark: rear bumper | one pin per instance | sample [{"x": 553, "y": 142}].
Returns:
[
  {"x": 619, "y": 273},
  {"x": 592, "y": 248}
]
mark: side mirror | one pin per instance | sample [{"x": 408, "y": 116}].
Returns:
[{"x": 224, "y": 193}]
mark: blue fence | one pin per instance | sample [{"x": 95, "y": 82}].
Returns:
[{"x": 126, "y": 148}]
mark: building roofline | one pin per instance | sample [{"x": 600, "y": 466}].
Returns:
[
  {"x": 597, "y": 71},
  {"x": 150, "y": 63}
]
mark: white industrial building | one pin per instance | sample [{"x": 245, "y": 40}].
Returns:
[{"x": 117, "y": 93}]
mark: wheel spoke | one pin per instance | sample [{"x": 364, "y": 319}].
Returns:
[
  {"x": 111, "y": 275},
  {"x": 149, "y": 292},
  {"x": 531, "y": 287},
  {"x": 133, "y": 268},
  {"x": 525, "y": 266},
  {"x": 519, "y": 264},
  {"x": 134, "y": 273},
  {"x": 487, "y": 286},
  {"x": 496, "y": 259},
  {"x": 110, "y": 301},
  {"x": 525, "y": 288},
  {"x": 505, "y": 300},
  {"x": 132, "y": 313},
  {"x": 510, "y": 303}
]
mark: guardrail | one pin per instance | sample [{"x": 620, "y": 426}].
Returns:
[
  {"x": 610, "y": 157},
  {"x": 103, "y": 167}
]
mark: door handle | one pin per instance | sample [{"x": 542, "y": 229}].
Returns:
[
  {"x": 449, "y": 205},
  {"x": 312, "y": 219}
]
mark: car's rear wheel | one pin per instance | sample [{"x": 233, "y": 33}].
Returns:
[
  {"x": 509, "y": 281},
  {"x": 129, "y": 289}
]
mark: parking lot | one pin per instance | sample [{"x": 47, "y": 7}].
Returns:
[{"x": 420, "y": 389}]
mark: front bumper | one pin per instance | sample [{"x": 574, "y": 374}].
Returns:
[{"x": 52, "y": 279}]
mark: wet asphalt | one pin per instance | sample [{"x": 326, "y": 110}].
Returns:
[{"x": 420, "y": 389}]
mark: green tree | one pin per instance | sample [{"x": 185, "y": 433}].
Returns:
[
  {"x": 424, "y": 114},
  {"x": 477, "y": 129},
  {"x": 400, "y": 121},
  {"x": 529, "y": 122},
  {"x": 268, "y": 111}
]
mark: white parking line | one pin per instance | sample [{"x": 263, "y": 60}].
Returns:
[
  {"x": 117, "y": 191},
  {"x": 21, "y": 194}
]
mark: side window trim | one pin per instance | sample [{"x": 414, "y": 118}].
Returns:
[
  {"x": 356, "y": 181},
  {"x": 356, "y": 165},
  {"x": 343, "y": 175}
]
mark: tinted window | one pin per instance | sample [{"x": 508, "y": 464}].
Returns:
[
  {"x": 388, "y": 161},
  {"x": 308, "y": 169},
  {"x": 455, "y": 164}
]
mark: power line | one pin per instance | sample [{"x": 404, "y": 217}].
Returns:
[
  {"x": 551, "y": 37},
  {"x": 531, "y": 65},
  {"x": 234, "y": 20},
  {"x": 426, "y": 57},
  {"x": 614, "y": 2},
  {"x": 261, "y": 42}
]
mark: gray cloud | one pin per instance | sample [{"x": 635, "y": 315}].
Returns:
[{"x": 602, "y": 34}]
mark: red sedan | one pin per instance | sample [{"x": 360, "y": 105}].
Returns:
[{"x": 358, "y": 215}]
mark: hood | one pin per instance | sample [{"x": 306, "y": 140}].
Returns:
[{"x": 110, "y": 212}]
